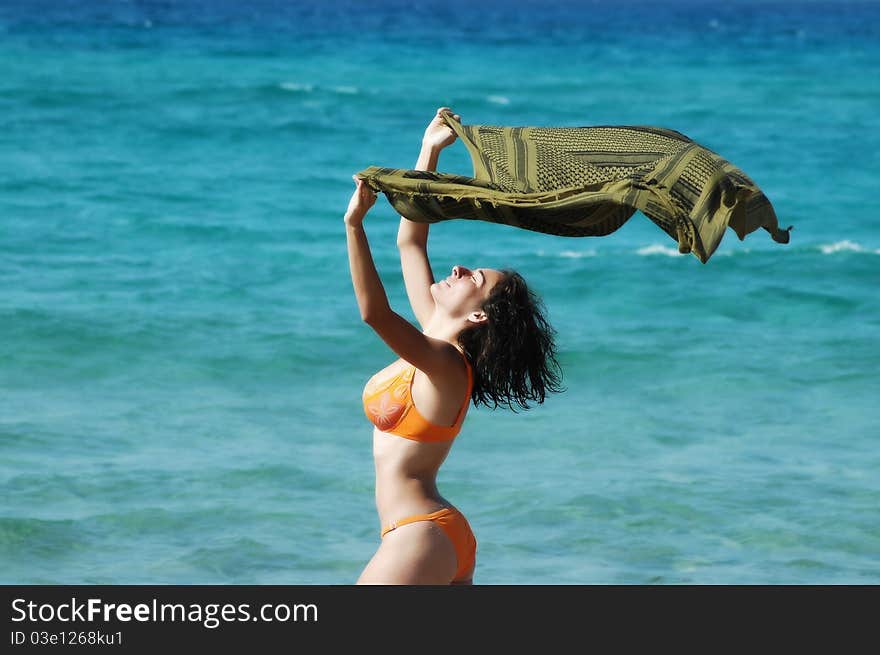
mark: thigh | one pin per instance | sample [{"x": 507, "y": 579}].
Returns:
[{"x": 415, "y": 553}]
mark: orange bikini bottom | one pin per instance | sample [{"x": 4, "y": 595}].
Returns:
[{"x": 456, "y": 527}]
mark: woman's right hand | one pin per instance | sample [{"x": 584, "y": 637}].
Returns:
[
  {"x": 438, "y": 134},
  {"x": 361, "y": 200}
]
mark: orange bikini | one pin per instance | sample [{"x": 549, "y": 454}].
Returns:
[
  {"x": 456, "y": 527},
  {"x": 389, "y": 406}
]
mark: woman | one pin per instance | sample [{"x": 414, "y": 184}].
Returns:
[{"x": 483, "y": 338}]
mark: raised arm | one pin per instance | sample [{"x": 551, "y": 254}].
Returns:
[
  {"x": 437, "y": 358},
  {"x": 412, "y": 237}
]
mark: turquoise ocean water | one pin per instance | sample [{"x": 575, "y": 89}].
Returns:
[{"x": 181, "y": 356}]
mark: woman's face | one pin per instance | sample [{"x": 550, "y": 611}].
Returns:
[{"x": 465, "y": 290}]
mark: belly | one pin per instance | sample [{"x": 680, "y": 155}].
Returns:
[
  {"x": 406, "y": 474},
  {"x": 406, "y": 456}
]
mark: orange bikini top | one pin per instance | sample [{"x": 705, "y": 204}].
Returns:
[{"x": 389, "y": 405}]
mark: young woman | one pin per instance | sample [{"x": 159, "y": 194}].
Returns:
[{"x": 483, "y": 338}]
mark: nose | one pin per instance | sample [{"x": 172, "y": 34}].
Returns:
[{"x": 460, "y": 271}]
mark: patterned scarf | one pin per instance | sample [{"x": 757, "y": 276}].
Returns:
[{"x": 586, "y": 181}]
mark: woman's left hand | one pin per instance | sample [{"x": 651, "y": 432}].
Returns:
[
  {"x": 438, "y": 134},
  {"x": 361, "y": 200}
]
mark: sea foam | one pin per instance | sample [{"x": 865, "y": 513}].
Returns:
[
  {"x": 845, "y": 246},
  {"x": 296, "y": 87},
  {"x": 657, "y": 249}
]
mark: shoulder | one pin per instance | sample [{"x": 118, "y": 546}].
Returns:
[{"x": 450, "y": 367}]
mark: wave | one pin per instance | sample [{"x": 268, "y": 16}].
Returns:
[
  {"x": 672, "y": 251},
  {"x": 498, "y": 100},
  {"x": 846, "y": 246},
  {"x": 657, "y": 249},
  {"x": 296, "y": 87},
  {"x": 826, "y": 249},
  {"x": 568, "y": 254},
  {"x": 576, "y": 254},
  {"x": 299, "y": 87}
]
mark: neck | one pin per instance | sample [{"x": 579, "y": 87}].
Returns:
[{"x": 444, "y": 327}]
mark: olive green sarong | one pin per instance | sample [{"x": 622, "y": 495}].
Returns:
[{"x": 586, "y": 181}]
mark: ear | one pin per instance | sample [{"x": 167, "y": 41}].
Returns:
[{"x": 477, "y": 317}]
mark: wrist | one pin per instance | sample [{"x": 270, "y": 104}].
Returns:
[
  {"x": 353, "y": 219},
  {"x": 428, "y": 147}
]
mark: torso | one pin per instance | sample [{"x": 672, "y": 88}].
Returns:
[{"x": 406, "y": 468}]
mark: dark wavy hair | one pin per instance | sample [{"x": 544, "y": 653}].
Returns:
[{"x": 513, "y": 353}]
